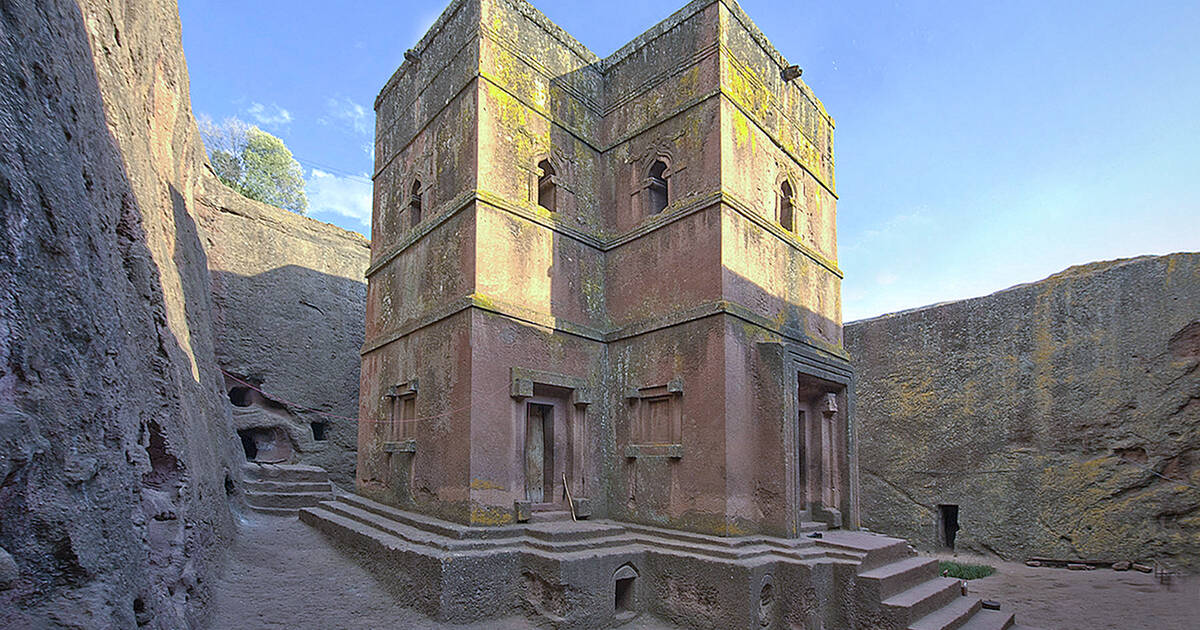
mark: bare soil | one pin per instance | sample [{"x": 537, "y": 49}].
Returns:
[{"x": 1060, "y": 599}]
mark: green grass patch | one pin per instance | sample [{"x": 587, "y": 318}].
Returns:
[{"x": 964, "y": 571}]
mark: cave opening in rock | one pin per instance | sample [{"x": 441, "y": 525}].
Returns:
[
  {"x": 248, "y": 444},
  {"x": 267, "y": 445},
  {"x": 947, "y": 524},
  {"x": 318, "y": 430},
  {"x": 240, "y": 396}
]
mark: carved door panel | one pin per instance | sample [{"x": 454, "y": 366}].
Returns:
[{"x": 539, "y": 453}]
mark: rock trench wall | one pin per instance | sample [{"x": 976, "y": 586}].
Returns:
[
  {"x": 119, "y": 459},
  {"x": 116, "y": 445},
  {"x": 1062, "y": 417},
  {"x": 290, "y": 300}
]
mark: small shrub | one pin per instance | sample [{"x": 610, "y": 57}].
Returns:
[{"x": 964, "y": 571}]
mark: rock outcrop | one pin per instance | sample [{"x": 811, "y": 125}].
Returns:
[
  {"x": 117, "y": 450},
  {"x": 290, "y": 296},
  {"x": 1059, "y": 418}
]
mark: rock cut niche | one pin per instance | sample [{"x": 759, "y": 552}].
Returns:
[{"x": 262, "y": 424}]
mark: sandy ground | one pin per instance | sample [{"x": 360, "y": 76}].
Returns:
[
  {"x": 283, "y": 574},
  {"x": 1058, "y": 599}
]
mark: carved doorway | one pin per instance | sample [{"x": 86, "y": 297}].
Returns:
[
  {"x": 818, "y": 458},
  {"x": 539, "y": 452}
]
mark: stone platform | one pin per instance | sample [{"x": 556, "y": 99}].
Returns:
[{"x": 597, "y": 574}]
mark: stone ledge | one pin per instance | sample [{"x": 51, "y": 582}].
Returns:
[
  {"x": 654, "y": 451},
  {"x": 403, "y": 446}
]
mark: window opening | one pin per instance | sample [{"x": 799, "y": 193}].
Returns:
[
  {"x": 318, "y": 430},
  {"x": 786, "y": 211},
  {"x": 546, "y": 186},
  {"x": 414, "y": 204},
  {"x": 624, "y": 600},
  {"x": 658, "y": 187}
]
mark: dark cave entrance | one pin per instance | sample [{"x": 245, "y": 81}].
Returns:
[
  {"x": 268, "y": 445},
  {"x": 947, "y": 524}
]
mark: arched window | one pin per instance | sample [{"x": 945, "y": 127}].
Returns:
[
  {"x": 658, "y": 187},
  {"x": 786, "y": 212},
  {"x": 546, "y": 186},
  {"x": 414, "y": 204}
]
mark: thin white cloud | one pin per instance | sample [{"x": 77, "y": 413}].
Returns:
[
  {"x": 345, "y": 196},
  {"x": 269, "y": 115},
  {"x": 351, "y": 113}
]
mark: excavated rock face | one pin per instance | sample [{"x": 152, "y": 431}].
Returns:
[
  {"x": 116, "y": 446},
  {"x": 290, "y": 297},
  {"x": 1060, "y": 418}
]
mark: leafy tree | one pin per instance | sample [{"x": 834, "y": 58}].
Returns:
[{"x": 254, "y": 163}]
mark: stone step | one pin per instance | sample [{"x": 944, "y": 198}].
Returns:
[
  {"x": 989, "y": 620},
  {"x": 274, "y": 511},
  {"x": 284, "y": 472},
  {"x": 922, "y": 599},
  {"x": 292, "y": 500},
  {"x": 547, "y": 516},
  {"x": 389, "y": 526},
  {"x": 899, "y": 576},
  {"x": 949, "y": 617},
  {"x": 349, "y": 531},
  {"x": 256, "y": 485},
  {"x": 877, "y": 549},
  {"x": 425, "y": 523}
]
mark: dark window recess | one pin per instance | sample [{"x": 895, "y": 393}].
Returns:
[
  {"x": 624, "y": 595},
  {"x": 947, "y": 524},
  {"x": 319, "y": 431},
  {"x": 414, "y": 204},
  {"x": 786, "y": 211},
  {"x": 547, "y": 189},
  {"x": 658, "y": 187},
  {"x": 240, "y": 396}
]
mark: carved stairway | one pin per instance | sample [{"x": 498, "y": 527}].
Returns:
[
  {"x": 283, "y": 489},
  {"x": 902, "y": 590}
]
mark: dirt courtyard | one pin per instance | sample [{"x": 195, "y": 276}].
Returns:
[
  {"x": 283, "y": 574},
  {"x": 1059, "y": 599}
]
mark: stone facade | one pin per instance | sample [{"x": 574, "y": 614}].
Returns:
[
  {"x": 615, "y": 273},
  {"x": 1057, "y": 419},
  {"x": 288, "y": 298}
]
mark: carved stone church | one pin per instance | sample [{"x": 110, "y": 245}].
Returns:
[
  {"x": 603, "y": 371},
  {"x": 609, "y": 278}
]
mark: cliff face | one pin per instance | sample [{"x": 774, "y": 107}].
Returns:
[
  {"x": 116, "y": 443},
  {"x": 290, "y": 296},
  {"x": 1062, "y": 417}
]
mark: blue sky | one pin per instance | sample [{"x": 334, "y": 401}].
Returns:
[{"x": 978, "y": 145}]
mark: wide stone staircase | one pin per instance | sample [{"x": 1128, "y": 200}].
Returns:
[
  {"x": 283, "y": 489},
  {"x": 892, "y": 589}
]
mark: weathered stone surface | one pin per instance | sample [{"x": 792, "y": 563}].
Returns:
[
  {"x": 116, "y": 446},
  {"x": 1062, "y": 417},
  {"x": 289, "y": 298}
]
